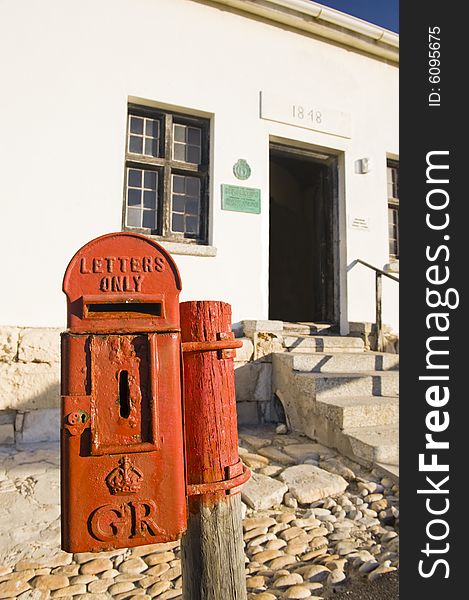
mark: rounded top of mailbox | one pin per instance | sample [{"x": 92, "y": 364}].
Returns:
[{"x": 122, "y": 282}]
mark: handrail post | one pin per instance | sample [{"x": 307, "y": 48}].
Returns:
[{"x": 379, "y": 316}]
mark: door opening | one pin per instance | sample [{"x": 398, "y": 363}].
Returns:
[{"x": 303, "y": 275}]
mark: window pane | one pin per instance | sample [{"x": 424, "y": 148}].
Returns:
[
  {"x": 150, "y": 180},
  {"x": 149, "y": 219},
  {"x": 179, "y": 204},
  {"x": 149, "y": 199},
  {"x": 193, "y": 186},
  {"x": 134, "y": 217},
  {"x": 179, "y": 152},
  {"x": 136, "y": 144},
  {"x": 151, "y": 147},
  {"x": 192, "y": 225},
  {"x": 193, "y": 154},
  {"x": 152, "y": 128},
  {"x": 178, "y": 184},
  {"x": 178, "y": 222},
  {"x": 194, "y": 136},
  {"x": 136, "y": 125},
  {"x": 133, "y": 197},
  {"x": 135, "y": 178},
  {"x": 192, "y": 206},
  {"x": 180, "y": 133}
]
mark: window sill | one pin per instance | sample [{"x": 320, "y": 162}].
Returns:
[{"x": 188, "y": 249}]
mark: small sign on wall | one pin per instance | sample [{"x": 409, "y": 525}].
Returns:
[
  {"x": 241, "y": 199},
  {"x": 360, "y": 223}
]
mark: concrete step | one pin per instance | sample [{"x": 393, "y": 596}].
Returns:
[
  {"x": 309, "y": 328},
  {"x": 346, "y": 412},
  {"x": 375, "y": 444},
  {"x": 368, "y": 383},
  {"x": 343, "y": 362},
  {"x": 322, "y": 343}
]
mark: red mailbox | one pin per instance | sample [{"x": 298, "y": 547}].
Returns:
[{"x": 122, "y": 429}]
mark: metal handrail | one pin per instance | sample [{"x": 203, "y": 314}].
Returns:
[
  {"x": 379, "y": 296},
  {"x": 359, "y": 260}
]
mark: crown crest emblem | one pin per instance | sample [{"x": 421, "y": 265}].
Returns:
[{"x": 124, "y": 479}]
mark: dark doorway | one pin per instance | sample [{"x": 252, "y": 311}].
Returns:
[{"x": 302, "y": 234}]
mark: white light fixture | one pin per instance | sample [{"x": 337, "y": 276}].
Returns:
[{"x": 363, "y": 166}]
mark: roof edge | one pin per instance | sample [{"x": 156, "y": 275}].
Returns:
[{"x": 325, "y": 22}]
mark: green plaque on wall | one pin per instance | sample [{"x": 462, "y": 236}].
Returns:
[{"x": 241, "y": 199}]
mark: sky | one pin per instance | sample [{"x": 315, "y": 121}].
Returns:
[{"x": 379, "y": 12}]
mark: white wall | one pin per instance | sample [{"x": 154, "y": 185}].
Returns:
[{"x": 70, "y": 71}]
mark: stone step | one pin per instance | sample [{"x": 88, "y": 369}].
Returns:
[
  {"x": 309, "y": 328},
  {"x": 343, "y": 362},
  {"x": 320, "y": 343},
  {"x": 348, "y": 412},
  {"x": 391, "y": 471},
  {"x": 375, "y": 444},
  {"x": 326, "y": 385}
]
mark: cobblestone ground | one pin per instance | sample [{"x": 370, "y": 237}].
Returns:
[{"x": 314, "y": 524}]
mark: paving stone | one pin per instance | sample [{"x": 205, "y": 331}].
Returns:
[
  {"x": 255, "y": 441},
  {"x": 83, "y": 579},
  {"x": 282, "y": 561},
  {"x": 314, "y": 572},
  {"x": 157, "y": 570},
  {"x": 71, "y": 590},
  {"x": 297, "y": 592},
  {"x": 95, "y": 566},
  {"x": 308, "y": 483},
  {"x": 256, "y": 522},
  {"x": 67, "y": 570},
  {"x": 266, "y": 555},
  {"x": 271, "y": 470},
  {"x": 161, "y": 557},
  {"x": 276, "y": 455},
  {"x": 34, "y": 595},
  {"x": 83, "y": 557},
  {"x": 13, "y": 587},
  {"x": 158, "y": 588},
  {"x": 50, "y": 582},
  {"x": 119, "y": 588},
  {"x": 255, "y": 461},
  {"x": 336, "y": 578},
  {"x": 25, "y": 575},
  {"x": 129, "y": 577},
  {"x": 99, "y": 586},
  {"x": 275, "y": 544},
  {"x": 262, "y": 492},
  {"x": 256, "y": 583},
  {"x": 171, "y": 573},
  {"x": 133, "y": 565},
  {"x": 288, "y": 580},
  {"x": 170, "y": 594}
]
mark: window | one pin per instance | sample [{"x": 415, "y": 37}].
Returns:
[
  {"x": 393, "y": 208},
  {"x": 166, "y": 182}
]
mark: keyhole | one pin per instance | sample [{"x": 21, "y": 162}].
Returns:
[{"x": 124, "y": 400}]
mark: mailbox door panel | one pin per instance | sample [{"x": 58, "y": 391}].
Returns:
[{"x": 122, "y": 444}]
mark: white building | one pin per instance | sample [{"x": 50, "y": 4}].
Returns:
[{"x": 258, "y": 140}]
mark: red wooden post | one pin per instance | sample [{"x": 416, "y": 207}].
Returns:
[{"x": 212, "y": 547}]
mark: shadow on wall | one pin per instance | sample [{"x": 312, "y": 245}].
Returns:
[{"x": 28, "y": 425}]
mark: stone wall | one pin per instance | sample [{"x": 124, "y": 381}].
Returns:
[{"x": 29, "y": 384}]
